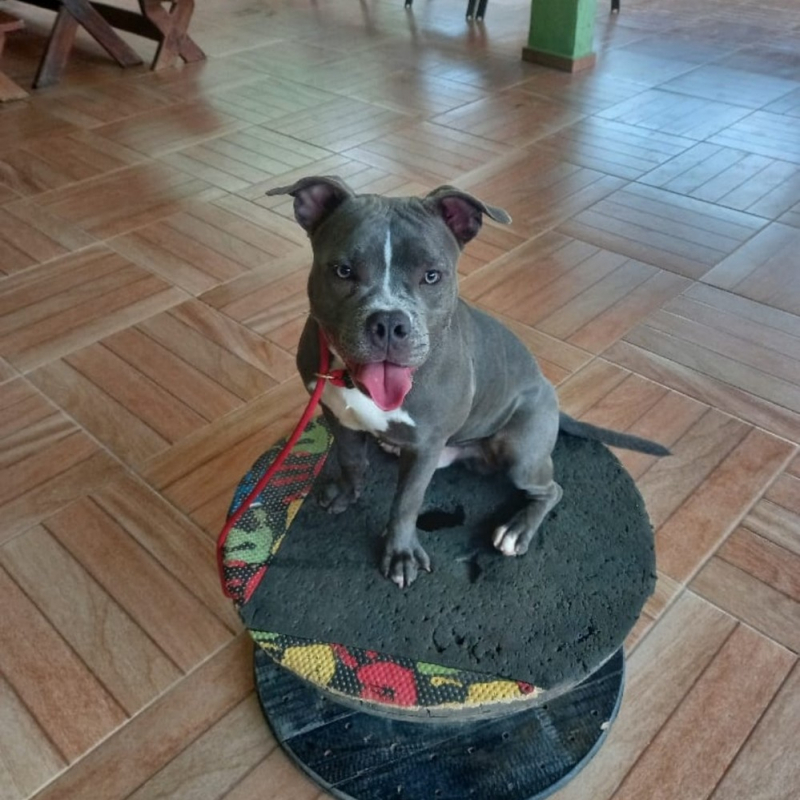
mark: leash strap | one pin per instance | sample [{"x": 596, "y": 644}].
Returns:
[{"x": 338, "y": 377}]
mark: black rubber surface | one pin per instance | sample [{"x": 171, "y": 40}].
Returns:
[
  {"x": 549, "y": 618},
  {"x": 358, "y": 756}
]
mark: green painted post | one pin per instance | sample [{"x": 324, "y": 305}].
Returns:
[{"x": 561, "y": 34}]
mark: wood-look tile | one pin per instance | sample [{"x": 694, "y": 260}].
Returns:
[
  {"x": 126, "y": 661},
  {"x": 412, "y": 91},
  {"x": 513, "y": 117},
  {"x": 178, "y": 545},
  {"x": 766, "y": 767},
  {"x": 359, "y": 176},
  {"x": 770, "y": 563},
  {"x": 199, "y": 474},
  {"x": 492, "y": 242},
  {"x": 262, "y": 100},
  {"x": 166, "y": 610},
  {"x": 614, "y": 147},
  {"x": 340, "y": 124},
  {"x": 262, "y": 300},
  {"x": 767, "y": 610},
  {"x": 757, "y": 368},
  {"x": 217, "y": 760},
  {"x": 697, "y": 384},
  {"x": 30, "y": 235},
  {"x": 60, "y": 692},
  {"x": 127, "y": 199},
  {"x": 171, "y": 127},
  {"x": 693, "y": 733},
  {"x": 92, "y": 106},
  {"x": 24, "y": 122},
  {"x": 670, "y": 481},
  {"x": 733, "y": 86},
  {"x": 202, "y": 78},
  {"x": 204, "y": 246},
  {"x": 427, "y": 152},
  {"x": 646, "y": 69},
  {"x": 759, "y": 371},
  {"x": 588, "y": 386},
  {"x": 680, "y": 115},
  {"x": 69, "y": 302},
  {"x": 589, "y": 91},
  {"x": 764, "y": 59},
  {"x": 733, "y": 178},
  {"x": 792, "y": 216},
  {"x": 556, "y": 359},
  {"x": 27, "y": 757},
  {"x": 672, "y": 45},
  {"x": 763, "y": 133},
  {"x": 696, "y": 528},
  {"x": 161, "y": 731},
  {"x": 47, "y": 461},
  {"x": 764, "y": 269},
  {"x": 241, "y": 159},
  {"x": 670, "y": 231},
  {"x": 548, "y": 257},
  {"x": 789, "y": 104},
  {"x": 137, "y": 391},
  {"x": 625, "y": 404},
  {"x": 42, "y": 164},
  {"x": 661, "y": 672},
  {"x": 776, "y": 516},
  {"x": 285, "y": 781}
]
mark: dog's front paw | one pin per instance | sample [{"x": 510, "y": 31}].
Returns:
[
  {"x": 514, "y": 538},
  {"x": 336, "y": 494},
  {"x": 401, "y": 562}
]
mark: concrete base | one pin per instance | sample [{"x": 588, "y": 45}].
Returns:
[{"x": 558, "y": 62}]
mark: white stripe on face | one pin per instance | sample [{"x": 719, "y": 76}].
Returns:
[{"x": 387, "y": 257}]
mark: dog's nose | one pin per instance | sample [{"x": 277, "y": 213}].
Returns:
[{"x": 386, "y": 328}]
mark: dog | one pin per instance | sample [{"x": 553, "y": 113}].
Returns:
[{"x": 433, "y": 378}]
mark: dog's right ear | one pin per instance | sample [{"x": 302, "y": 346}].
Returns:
[{"x": 315, "y": 198}]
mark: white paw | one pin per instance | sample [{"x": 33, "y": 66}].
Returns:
[{"x": 505, "y": 541}]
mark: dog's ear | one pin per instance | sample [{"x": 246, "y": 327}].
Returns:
[
  {"x": 315, "y": 198},
  {"x": 462, "y": 212}
]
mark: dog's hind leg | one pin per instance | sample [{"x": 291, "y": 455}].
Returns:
[{"x": 525, "y": 444}]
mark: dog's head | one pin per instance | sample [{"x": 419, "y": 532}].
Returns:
[{"x": 383, "y": 285}]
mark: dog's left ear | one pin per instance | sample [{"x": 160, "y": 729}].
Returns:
[{"x": 462, "y": 212}]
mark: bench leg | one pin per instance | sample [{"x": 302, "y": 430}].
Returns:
[
  {"x": 102, "y": 32},
  {"x": 173, "y": 26},
  {"x": 57, "y": 51}
]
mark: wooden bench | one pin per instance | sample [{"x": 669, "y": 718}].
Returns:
[
  {"x": 8, "y": 89},
  {"x": 170, "y": 28}
]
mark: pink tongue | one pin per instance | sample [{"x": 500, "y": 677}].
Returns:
[{"x": 386, "y": 383}]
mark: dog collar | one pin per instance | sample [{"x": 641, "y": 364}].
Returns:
[{"x": 336, "y": 377}]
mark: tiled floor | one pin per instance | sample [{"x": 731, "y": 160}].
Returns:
[{"x": 151, "y": 296}]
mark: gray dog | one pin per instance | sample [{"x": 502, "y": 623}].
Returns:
[{"x": 432, "y": 378}]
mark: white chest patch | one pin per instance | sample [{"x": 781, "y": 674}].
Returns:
[{"x": 357, "y": 411}]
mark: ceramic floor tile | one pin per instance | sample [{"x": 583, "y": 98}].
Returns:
[{"x": 670, "y": 231}]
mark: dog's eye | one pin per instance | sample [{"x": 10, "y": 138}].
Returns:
[
  {"x": 432, "y": 276},
  {"x": 343, "y": 271}
]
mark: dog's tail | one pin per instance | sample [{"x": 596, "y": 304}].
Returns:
[{"x": 626, "y": 441}]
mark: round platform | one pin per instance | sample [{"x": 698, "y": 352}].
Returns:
[
  {"x": 358, "y": 756},
  {"x": 483, "y": 635}
]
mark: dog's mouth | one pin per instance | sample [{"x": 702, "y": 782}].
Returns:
[{"x": 387, "y": 384}]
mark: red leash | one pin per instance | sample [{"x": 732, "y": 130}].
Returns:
[{"x": 337, "y": 378}]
